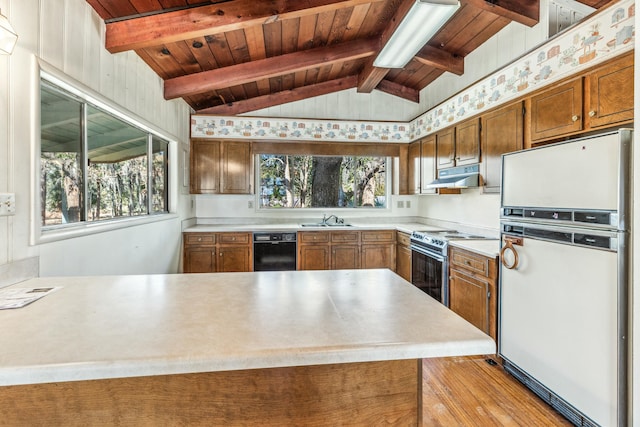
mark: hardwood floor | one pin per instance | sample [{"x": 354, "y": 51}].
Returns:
[{"x": 468, "y": 391}]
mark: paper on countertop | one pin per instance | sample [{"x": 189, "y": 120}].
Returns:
[{"x": 19, "y": 297}]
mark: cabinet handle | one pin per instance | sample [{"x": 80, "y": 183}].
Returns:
[
  {"x": 467, "y": 262},
  {"x": 575, "y": 118},
  {"x": 592, "y": 113},
  {"x": 220, "y": 253},
  {"x": 199, "y": 239},
  {"x": 233, "y": 238}
]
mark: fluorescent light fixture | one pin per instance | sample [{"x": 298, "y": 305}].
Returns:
[
  {"x": 422, "y": 21},
  {"x": 8, "y": 36}
]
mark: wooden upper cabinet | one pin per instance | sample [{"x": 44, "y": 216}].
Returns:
[
  {"x": 610, "y": 93},
  {"x": 427, "y": 163},
  {"x": 502, "y": 132},
  {"x": 445, "y": 148},
  {"x": 458, "y": 145},
  {"x": 422, "y": 165},
  {"x": 236, "y": 167},
  {"x": 557, "y": 111},
  {"x": 467, "y": 147},
  {"x": 220, "y": 167},
  {"x": 204, "y": 175},
  {"x": 413, "y": 176}
]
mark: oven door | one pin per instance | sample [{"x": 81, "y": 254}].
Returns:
[{"x": 429, "y": 272}]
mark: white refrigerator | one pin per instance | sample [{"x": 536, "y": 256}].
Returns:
[{"x": 564, "y": 276}]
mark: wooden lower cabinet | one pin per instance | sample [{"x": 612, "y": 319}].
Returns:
[
  {"x": 336, "y": 250},
  {"x": 473, "y": 289},
  {"x": 345, "y": 257},
  {"x": 217, "y": 252},
  {"x": 378, "y": 249},
  {"x": 314, "y": 256},
  {"x": 403, "y": 256}
]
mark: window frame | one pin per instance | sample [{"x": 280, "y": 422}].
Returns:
[{"x": 40, "y": 233}]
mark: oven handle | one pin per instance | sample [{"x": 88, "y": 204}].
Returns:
[{"x": 422, "y": 251}]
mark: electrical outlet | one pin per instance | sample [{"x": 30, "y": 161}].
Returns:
[
  {"x": 7, "y": 204},
  {"x": 408, "y": 204},
  {"x": 250, "y": 204}
]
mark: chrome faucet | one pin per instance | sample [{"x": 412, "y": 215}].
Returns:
[{"x": 326, "y": 219}]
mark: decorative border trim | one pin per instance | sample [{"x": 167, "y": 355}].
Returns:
[{"x": 595, "y": 40}]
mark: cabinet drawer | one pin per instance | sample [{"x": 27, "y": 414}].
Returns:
[
  {"x": 313, "y": 237},
  {"x": 379, "y": 236},
  {"x": 200, "y": 239},
  {"x": 345, "y": 236},
  {"x": 226, "y": 238},
  {"x": 468, "y": 261},
  {"x": 404, "y": 239}
]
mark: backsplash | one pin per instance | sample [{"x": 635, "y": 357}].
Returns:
[{"x": 601, "y": 37}]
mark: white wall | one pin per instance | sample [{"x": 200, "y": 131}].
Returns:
[{"x": 69, "y": 35}]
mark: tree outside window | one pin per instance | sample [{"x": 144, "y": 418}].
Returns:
[{"x": 288, "y": 181}]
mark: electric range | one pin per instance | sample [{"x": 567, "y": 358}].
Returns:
[{"x": 430, "y": 263}]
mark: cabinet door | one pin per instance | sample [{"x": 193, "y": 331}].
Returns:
[
  {"x": 403, "y": 262},
  {"x": 467, "y": 143},
  {"x": 427, "y": 163},
  {"x": 379, "y": 256},
  {"x": 204, "y": 175},
  {"x": 313, "y": 257},
  {"x": 611, "y": 93},
  {"x": 233, "y": 258},
  {"x": 469, "y": 297},
  {"x": 200, "y": 260},
  {"x": 413, "y": 176},
  {"x": 557, "y": 111},
  {"x": 236, "y": 167},
  {"x": 445, "y": 148},
  {"x": 345, "y": 257},
  {"x": 502, "y": 132}
]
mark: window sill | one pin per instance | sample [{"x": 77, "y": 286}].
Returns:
[{"x": 85, "y": 229}]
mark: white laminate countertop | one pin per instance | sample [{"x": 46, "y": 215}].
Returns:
[
  {"x": 489, "y": 247},
  {"x": 124, "y": 326},
  {"x": 217, "y": 228}
]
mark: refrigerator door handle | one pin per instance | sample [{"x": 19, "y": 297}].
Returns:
[{"x": 508, "y": 246}]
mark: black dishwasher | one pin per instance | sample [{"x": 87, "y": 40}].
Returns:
[{"x": 274, "y": 251}]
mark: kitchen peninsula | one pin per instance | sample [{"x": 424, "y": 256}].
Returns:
[{"x": 276, "y": 348}]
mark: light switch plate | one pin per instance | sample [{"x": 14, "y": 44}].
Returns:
[{"x": 7, "y": 204}]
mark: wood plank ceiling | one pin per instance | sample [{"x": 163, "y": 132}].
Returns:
[{"x": 234, "y": 56}]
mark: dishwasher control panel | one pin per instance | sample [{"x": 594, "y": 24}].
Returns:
[{"x": 274, "y": 237}]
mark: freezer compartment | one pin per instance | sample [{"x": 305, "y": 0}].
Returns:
[{"x": 588, "y": 174}]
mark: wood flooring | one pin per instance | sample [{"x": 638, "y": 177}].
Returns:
[{"x": 468, "y": 391}]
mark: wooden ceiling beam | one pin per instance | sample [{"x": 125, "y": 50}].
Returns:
[
  {"x": 269, "y": 67},
  {"x": 279, "y": 98},
  {"x": 526, "y": 12},
  {"x": 441, "y": 59},
  {"x": 399, "y": 90},
  {"x": 169, "y": 27},
  {"x": 370, "y": 77}
]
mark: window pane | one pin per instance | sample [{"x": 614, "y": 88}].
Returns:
[
  {"x": 61, "y": 182},
  {"x": 322, "y": 181},
  {"x": 159, "y": 175},
  {"x": 117, "y": 174}
]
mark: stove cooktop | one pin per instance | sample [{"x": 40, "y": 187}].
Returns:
[{"x": 439, "y": 238}]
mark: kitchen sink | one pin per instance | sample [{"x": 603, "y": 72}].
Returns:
[{"x": 319, "y": 224}]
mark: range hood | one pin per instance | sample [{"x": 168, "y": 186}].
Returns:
[{"x": 458, "y": 177}]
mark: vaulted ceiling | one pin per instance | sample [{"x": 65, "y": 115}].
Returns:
[{"x": 234, "y": 56}]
